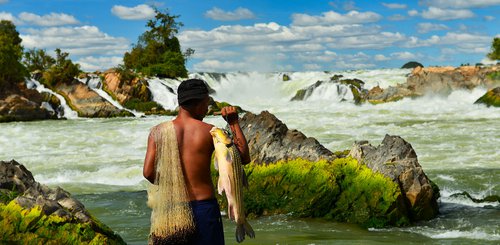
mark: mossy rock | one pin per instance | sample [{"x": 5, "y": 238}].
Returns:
[
  {"x": 23, "y": 226},
  {"x": 341, "y": 190},
  {"x": 300, "y": 95},
  {"x": 491, "y": 98},
  {"x": 286, "y": 78}
]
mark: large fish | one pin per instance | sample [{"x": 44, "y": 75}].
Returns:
[{"x": 231, "y": 180}]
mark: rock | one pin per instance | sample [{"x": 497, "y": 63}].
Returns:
[
  {"x": 355, "y": 85},
  {"x": 303, "y": 94},
  {"x": 490, "y": 98},
  {"x": 58, "y": 217},
  {"x": 270, "y": 140},
  {"x": 23, "y": 105},
  {"x": 412, "y": 64},
  {"x": 125, "y": 90},
  {"x": 87, "y": 102},
  {"x": 396, "y": 159},
  {"x": 437, "y": 80},
  {"x": 286, "y": 78}
]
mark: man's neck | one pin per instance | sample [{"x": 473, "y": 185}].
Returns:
[{"x": 186, "y": 114}]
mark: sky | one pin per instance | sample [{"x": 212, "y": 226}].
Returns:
[{"x": 267, "y": 36}]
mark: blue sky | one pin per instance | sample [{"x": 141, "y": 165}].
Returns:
[{"x": 244, "y": 35}]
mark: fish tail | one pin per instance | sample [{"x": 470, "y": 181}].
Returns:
[{"x": 242, "y": 229}]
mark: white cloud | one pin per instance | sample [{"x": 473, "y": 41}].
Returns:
[
  {"x": 381, "y": 57},
  {"x": 394, "y": 5},
  {"x": 312, "y": 67},
  {"x": 460, "y": 4},
  {"x": 331, "y": 18},
  {"x": 446, "y": 14},
  {"x": 489, "y": 18},
  {"x": 396, "y": 17},
  {"x": 216, "y": 65},
  {"x": 8, "y": 16},
  {"x": 404, "y": 56},
  {"x": 353, "y": 66},
  {"x": 139, "y": 12},
  {"x": 428, "y": 27},
  {"x": 461, "y": 42},
  {"x": 92, "y": 63},
  {"x": 52, "y": 19},
  {"x": 82, "y": 40},
  {"x": 210, "y": 53},
  {"x": 238, "y": 14},
  {"x": 413, "y": 12},
  {"x": 4, "y": 1}
]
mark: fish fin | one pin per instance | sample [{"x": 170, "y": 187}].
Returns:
[
  {"x": 244, "y": 178},
  {"x": 216, "y": 163},
  {"x": 242, "y": 229},
  {"x": 220, "y": 187}
]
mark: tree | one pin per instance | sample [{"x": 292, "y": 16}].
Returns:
[
  {"x": 63, "y": 71},
  {"x": 12, "y": 71},
  {"x": 495, "y": 49},
  {"x": 38, "y": 59},
  {"x": 158, "y": 51}
]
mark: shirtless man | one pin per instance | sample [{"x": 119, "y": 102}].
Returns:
[{"x": 196, "y": 147}]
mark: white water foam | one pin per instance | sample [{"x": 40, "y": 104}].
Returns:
[
  {"x": 68, "y": 112},
  {"x": 163, "y": 91}
]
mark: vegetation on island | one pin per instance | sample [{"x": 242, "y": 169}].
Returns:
[
  {"x": 12, "y": 71},
  {"x": 411, "y": 65},
  {"x": 158, "y": 51},
  {"x": 495, "y": 49}
]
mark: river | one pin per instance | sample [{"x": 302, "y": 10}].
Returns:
[{"x": 458, "y": 145}]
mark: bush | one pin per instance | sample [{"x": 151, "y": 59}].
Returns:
[{"x": 63, "y": 71}]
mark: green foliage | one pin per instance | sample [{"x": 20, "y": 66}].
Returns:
[
  {"x": 38, "y": 59},
  {"x": 342, "y": 190},
  {"x": 495, "y": 76},
  {"x": 125, "y": 73},
  {"x": 63, "y": 71},
  {"x": 22, "y": 226},
  {"x": 158, "y": 52},
  {"x": 411, "y": 64},
  {"x": 138, "y": 105},
  {"x": 6, "y": 196},
  {"x": 12, "y": 71},
  {"x": 495, "y": 49}
]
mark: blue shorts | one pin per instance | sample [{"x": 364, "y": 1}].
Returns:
[{"x": 208, "y": 223}]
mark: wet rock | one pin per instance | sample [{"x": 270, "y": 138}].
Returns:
[
  {"x": 490, "y": 98},
  {"x": 396, "y": 159},
  {"x": 87, "y": 102},
  {"x": 63, "y": 219},
  {"x": 270, "y": 140}
]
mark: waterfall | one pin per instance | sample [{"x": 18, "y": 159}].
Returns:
[
  {"x": 95, "y": 83},
  {"x": 163, "y": 91},
  {"x": 67, "y": 111}
]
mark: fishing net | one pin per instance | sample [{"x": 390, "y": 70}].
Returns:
[{"x": 171, "y": 217}]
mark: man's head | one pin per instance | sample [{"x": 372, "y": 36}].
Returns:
[{"x": 192, "y": 94}]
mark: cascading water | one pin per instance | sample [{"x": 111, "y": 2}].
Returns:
[
  {"x": 67, "y": 111},
  {"x": 164, "y": 92},
  {"x": 94, "y": 82}
]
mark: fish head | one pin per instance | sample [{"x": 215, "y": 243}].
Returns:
[{"x": 220, "y": 136}]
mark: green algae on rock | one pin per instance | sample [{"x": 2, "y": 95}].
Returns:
[
  {"x": 32, "y": 213},
  {"x": 341, "y": 190},
  {"x": 490, "y": 98}
]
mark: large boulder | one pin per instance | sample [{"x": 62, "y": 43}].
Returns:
[
  {"x": 32, "y": 213},
  {"x": 396, "y": 159},
  {"x": 87, "y": 102},
  {"x": 270, "y": 140},
  {"x": 490, "y": 98},
  {"x": 342, "y": 87},
  {"x": 16, "y": 107}
]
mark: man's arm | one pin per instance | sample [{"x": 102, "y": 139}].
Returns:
[
  {"x": 149, "y": 162},
  {"x": 230, "y": 114}
]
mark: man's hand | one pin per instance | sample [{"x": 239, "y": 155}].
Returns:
[{"x": 230, "y": 114}]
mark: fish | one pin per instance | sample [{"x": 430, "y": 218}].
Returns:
[{"x": 232, "y": 179}]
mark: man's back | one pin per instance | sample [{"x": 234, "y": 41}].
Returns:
[{"x": 196, "y": 148}]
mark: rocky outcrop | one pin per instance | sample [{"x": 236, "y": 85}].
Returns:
[
  {"x": 411, "y": 64},
  {"x": 87, "y": 102},
  {"x": 270, "y": 140},
  {"x": 21, "y": 104},
  {"x": 396, "y": 159},
  {"x": 437, "y": 80},
  {"x": 32, "y": 213},
  {"x": 125, "y": 90},
  {"x": 343, "y": 85},
  {"x": 490, "y": 98}
]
